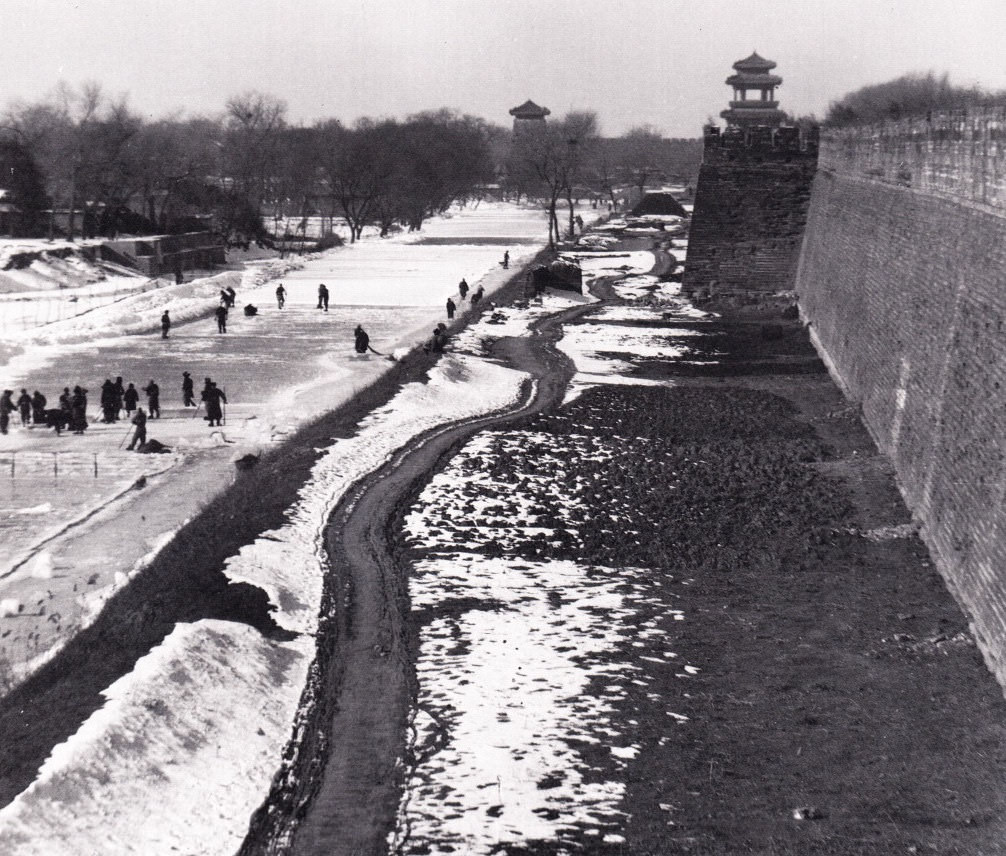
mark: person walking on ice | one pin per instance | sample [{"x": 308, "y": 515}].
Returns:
[
  {"x": 165, "y": 324},
  {"x": 506, "y": 259},
  {"x": 130, "y": 398},
  {"x": 213, "y": 398},
  {"x": 38, "y": 402},
  {"x": 221, "y": 314},
  {"x": 451, "y": 306},
  {"x": 463, "y": 288},
  {"x": 153, "y": 392},
  {"x": 7, "y": 407},
  {"x": 24, "y": 406},
  {"x": 280, "y": 295},
  {"x": 140, "y": 436},
  {"x": 323, "y": 297},
  {"x": 188, "y": 391}
]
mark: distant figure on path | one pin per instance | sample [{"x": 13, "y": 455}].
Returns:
[
  {"x": 463, "y": 288},
  {"x": 38, "y": 403},
  {"x": 213, "y": 397},
  {"x": 231, "y": 296},
  {"x": 130, "y": 398},
  {"x": 188, "y": 391},
  {"x": 323, "y": 297},
  {"x": 140, "y": 436},
  {"x": 7, "y": 407},
  {"x": 221, "y": 314},
  {"x": 64, "y": 401},
  {"x": 153, "y": 392},
  {"x": 506, "y": 259},
  {"x": 362, "y": 339},
  {"x": 477, "y": 295},
  {"x": 280, "y": 295},
  {"x": 451, "y": 306},
  {"x": 24, "y": 406},
  {"x": 165, "y": 324}
]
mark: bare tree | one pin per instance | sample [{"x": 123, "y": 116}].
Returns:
[{"x": 251, "y": 144}]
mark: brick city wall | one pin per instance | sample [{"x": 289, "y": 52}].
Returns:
[
  {"x": 902, "y": 277},
  {"x": 748, "y": 220}
]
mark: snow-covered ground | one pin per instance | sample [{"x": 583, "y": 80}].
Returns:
[
  {"x": 278, "y": 369},
  {"x": 196, "y": 730},
  {"x": 522, "y": 661}
]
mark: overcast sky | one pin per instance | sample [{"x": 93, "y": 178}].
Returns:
[{"x": 635, "y": 62}]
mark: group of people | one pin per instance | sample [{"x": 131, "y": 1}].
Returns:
[
  {"x": 71, "y": 411},
  {"x": 117, "y": 401},
  {"x": 463, "y": 289}
]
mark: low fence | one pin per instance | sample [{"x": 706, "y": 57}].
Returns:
[{"x": 61, "y": 465}]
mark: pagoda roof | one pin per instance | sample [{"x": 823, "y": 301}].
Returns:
[
  {"x": 752, "y": 80},
  {"x": 529, "y": 110},
  {"x": 754, "y": 63}
]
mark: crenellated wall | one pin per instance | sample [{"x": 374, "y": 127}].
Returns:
[
  {"x": 902, "y": 277},
  {"x": 750, "y": 208}
]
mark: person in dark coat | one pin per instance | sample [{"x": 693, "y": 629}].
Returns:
[
  {"x": 165, "y": 324},
  {"x": 231, "y": 296},
  {"x": 506, "y": 259},
  {"x": 323, "y": 297},
  {"x": 7, "y": 407},
  {"x": 188, "y": 390},
  {"x": 65, "y": 400},
  {"x": 213, "y": 397},
  {"x": 140, "y": 437},
  {"x": 130, "y": 398},
  {"x": 153, "y": 392},
  {"x": 107, "y": 401},
  {"x": 221, "y": 314},
  {"x": 24, "y": 406},
  {"x": 362, "y": 339},
  {"x": 120, "y": 392},
  {"x": 477, "y": 295},
  {"x": 463, "y": 288},
  {"x": 78, "y": 410},
  {"x": 280, "y": 295},
  {"x": 451, "y": 306},
  {"x": 38, "y": 403}
]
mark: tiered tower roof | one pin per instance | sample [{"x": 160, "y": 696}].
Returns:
[{"x": 761, "y": 109}]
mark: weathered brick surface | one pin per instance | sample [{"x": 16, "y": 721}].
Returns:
[
  {"x": 905, "y": 287},
  {"x": 747, "y": 225}
]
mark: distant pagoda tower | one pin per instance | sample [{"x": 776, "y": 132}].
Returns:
[
  {"x": 760, "y": 108},
  {"x": 528, "y": 116}
]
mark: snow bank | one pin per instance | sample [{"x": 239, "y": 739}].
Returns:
[{"x": 186, "y": 747}]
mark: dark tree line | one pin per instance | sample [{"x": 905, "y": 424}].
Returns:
[{"x": 81, "y": 162}]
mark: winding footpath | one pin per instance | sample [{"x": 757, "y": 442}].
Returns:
[{"x": 339, "y": 788}]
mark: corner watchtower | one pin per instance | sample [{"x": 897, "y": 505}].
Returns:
[
  {"x": 760, "y": 108},
  {"x": 528, "y": 117},
  {"x": 752, "y": 194}
]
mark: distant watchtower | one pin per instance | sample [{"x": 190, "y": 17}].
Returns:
[
  {"x": 761, "y": 108},
  {"x": 528, "y": 116},
  {"x": 752, "y": 194}
]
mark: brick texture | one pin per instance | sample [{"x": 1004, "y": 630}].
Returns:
[
  {"x": 904, "y": 284},
  {"x": 747, "y": 225}
]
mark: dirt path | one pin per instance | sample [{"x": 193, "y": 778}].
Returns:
[{"x": 340, "y": 792}]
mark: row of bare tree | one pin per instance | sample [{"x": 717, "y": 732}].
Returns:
[{"x": 97, "y": 158}]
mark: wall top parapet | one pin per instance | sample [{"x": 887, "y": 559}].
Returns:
[
  {"x": 763, "y": 141},
  {"x": 958, "y": 154},
  {"x": 937, "y": 124}
]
